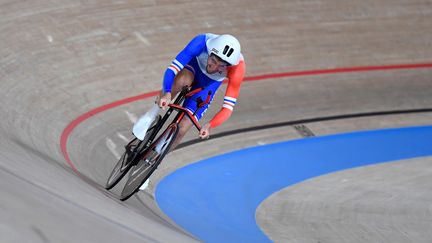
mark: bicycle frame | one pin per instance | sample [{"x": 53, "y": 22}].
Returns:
[
  {"x": 150, "y": 153},
  {"x": 182, "y": 111}
]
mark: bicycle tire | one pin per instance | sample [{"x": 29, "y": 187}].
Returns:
[
  {"x": 126, "y": 160},
  {"x": 145, "y": 167}
]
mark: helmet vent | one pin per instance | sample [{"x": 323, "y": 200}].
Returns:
[
  {"x": 229, "y": 50},
  {"x": 225, "y": 49}
]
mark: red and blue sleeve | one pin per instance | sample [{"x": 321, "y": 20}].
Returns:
[
  {"x": 193, "y": 49},
  {"x": 235, "y": 77}
]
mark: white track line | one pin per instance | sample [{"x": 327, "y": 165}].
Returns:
[
  {"x": 142, "y": 38},
  {"x": 132, "y": 117},
  {"x": 122, "y": 137},
  {"x": 112, "y": 147}
]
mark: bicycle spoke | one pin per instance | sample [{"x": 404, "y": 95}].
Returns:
[{"x": 149, "y": 162}]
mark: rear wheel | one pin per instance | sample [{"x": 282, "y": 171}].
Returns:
[
  {"x": 132, "y": 149},
  {"x": 148, "y": 163}
]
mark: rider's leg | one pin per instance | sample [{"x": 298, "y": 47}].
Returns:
[
  {"x": 184, "y": 127},
  {"x": 183, "y": 78}
]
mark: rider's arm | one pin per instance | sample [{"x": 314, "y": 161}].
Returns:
[
  {"x": 193, "y": 49},
  {"x": 235, "y": 78}
]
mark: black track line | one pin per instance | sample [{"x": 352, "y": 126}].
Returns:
[{"x": 302, "y": 121}]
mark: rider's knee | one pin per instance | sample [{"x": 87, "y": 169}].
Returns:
[{"x": 184, "y": 77}]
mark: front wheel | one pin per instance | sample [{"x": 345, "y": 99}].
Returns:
[
  {"x": 123, "y": 164},
  {"x": 150, "y": 160},
  {"x": 132, "y": 149}
]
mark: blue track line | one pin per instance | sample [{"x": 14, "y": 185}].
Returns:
[{"x": 216, "y": 199}]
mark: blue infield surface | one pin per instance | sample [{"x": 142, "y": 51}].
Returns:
[{"x": 216, "y": 199}]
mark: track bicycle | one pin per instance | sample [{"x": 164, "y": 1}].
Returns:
[{"x": 141, "y": 158}]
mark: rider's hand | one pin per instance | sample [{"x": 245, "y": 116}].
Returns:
[
  {"x": 205, "y": 131},
  {"x": 164, "y": 100}
]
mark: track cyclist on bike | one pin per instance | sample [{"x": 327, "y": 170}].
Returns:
[{"x": 205, "y": 62}]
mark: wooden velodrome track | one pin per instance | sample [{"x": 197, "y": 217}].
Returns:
[{"x": 60, "y": 59}]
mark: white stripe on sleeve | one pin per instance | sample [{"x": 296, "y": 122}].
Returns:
[
  {"x": 228, "y": 106},
  {"x": 178, "y": 64},
  {"x": 173, "y": 69}
]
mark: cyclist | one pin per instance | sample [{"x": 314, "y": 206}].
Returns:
[{"x": 205, "y": 62}]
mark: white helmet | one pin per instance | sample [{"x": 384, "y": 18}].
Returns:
[{"x": 227, "y": 47}]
